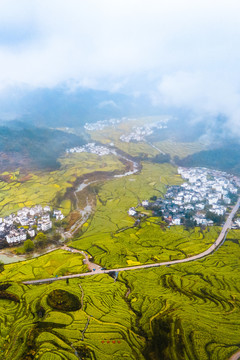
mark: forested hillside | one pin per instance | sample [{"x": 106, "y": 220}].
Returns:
[
  {"x": 28, "y": 145},
  {"x": 226, "y": 158}
]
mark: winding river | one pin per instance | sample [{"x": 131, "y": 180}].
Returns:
[{"x": 6, "y": 257}]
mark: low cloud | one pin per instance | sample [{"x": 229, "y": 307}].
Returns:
[
  {"x": 108, "y": 103},
  {"x": 209, "y": 94},
  {"x": 180, "y": 53}
]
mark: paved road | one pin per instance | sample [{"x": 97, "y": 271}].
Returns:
[
  {"x": 210, "y": 250},
  {"x": 155, "y": 147}
]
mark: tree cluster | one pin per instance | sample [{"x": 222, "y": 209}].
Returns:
[
  {"x": 161, "y": 158},
  {"x": 217, "y": 219}
]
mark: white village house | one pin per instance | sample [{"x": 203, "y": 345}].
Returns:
[
  {"x": 27, "y": 217},
  {"x": 132, "y": 212}
]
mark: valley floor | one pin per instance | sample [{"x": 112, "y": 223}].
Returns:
[{"x": 187, "y": 311}]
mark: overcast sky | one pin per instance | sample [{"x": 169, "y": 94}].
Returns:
[{"x": 181, "y": 52}]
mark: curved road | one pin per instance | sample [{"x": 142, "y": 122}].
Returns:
[{"x": 210, "y": 250}]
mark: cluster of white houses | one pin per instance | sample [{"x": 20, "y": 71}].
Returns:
[
  {"x": 204, "y": 191},
  {"x": 91, "y": 148},
  {"x": 17, "y": 227},
  {"x": 139, "y": 133},
  {"x": 101, "y": 124}
]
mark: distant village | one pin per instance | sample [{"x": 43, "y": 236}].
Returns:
[
  {"x": 16, "y": 228},
  {"x": 140, "y": 133},
  {"x": 203, "y": 198},
  {"x": 101, "y": 124},
  {"x": 92, "y": 148}
]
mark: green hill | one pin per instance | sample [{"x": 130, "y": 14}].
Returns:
[
  {"x": 24, "y": 145},
  {"x": 226, "y": 158}
]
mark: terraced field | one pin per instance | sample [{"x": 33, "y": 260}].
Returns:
[
  {"x": 53, "y": 264},
  {"x": 151, "y": 242},
  {"x": 116, "y": 196},
  {"x": 187, "y": 311},
  {"x": 179, "y": 149},
  {"x": 111, "y": 237},
  {"x": 18, "y": 190},
  {"x": 192, "y": 310},
  {"x": 33, "y": 327}
]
